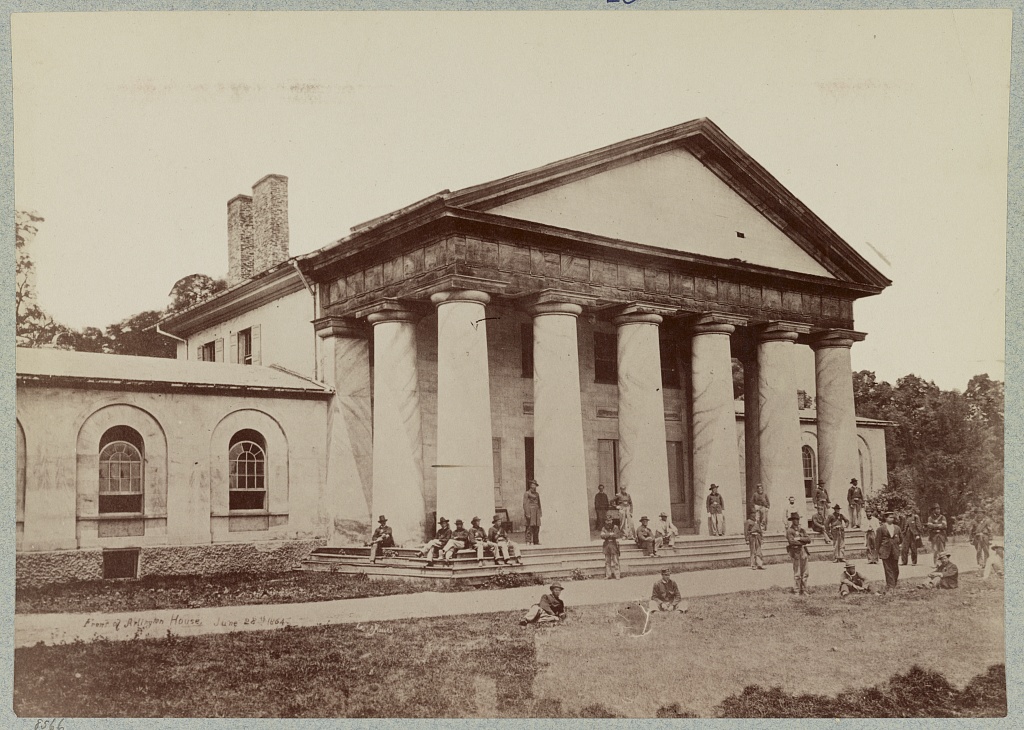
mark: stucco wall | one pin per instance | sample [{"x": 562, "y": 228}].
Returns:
[
  {"x": 185, "y": 471},
  {"x": 286, "y": 333}
]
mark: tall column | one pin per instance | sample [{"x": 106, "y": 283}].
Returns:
[
  {"x": 559, "y": 462},
  {"x": 779, "y": 414},
  {"x": 397, "y": 429},
  {"x": 838, "y": 460},
  {"x": 349, "y": 485},
  {"x": 716, "y": 457},
  {"x": 465, "y": 460},
  {"x": 643, "y": 454}
]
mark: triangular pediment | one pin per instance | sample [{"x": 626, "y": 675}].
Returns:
[{"x": 669, "y": 200}]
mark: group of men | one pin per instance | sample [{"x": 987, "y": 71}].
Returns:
[
  {"x": 447, "y": 542},
  {"x": 647, "y": 538}
]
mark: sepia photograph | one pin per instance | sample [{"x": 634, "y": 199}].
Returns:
[{"x": 631, "y": 362}]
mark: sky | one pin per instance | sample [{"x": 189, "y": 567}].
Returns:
[{"x": 133, "y": 130}]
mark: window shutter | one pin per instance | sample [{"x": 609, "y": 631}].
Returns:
[
  {"x": 219, "y": 350},
  {"x": 233, "y": 339},
  {"x": 256, "y": 359},
  {"x": 199, "y": 353}
]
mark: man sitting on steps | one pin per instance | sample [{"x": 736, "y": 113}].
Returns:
[
  {"x": 460, "y": 539},
  {"x": 501, "y": 545},
  {"x": 441, "y": 538}
]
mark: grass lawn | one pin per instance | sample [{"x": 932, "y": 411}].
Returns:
[
  {"x": 487, "y": 666},
  {"x": 232, "y": 589}
]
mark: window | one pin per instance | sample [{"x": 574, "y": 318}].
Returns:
[
  {"x": 528, "y": 444},
  {"x": 247, "y": 468},
  {"x": 209, "y": 352},
  {"x": 810, "y": 467},
  {"x": 496, "y": 455},
  {"x": 608, "y": 465},
  {"x": 121, "y": 563},
  {"x": 526, "y": 348},
  {"x": 606, "y": 358},
  {"x": 669, "y": 363},
  {"x": 245, "y": 347},
  {"x": 121, "y": 458}
]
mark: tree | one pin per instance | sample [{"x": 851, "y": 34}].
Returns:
[
  {"x": 193, "y": 289},
  {"x": 33, "y": 326},
  {"x": 137, "y": 335}
]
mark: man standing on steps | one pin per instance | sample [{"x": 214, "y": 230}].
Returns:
[
  {"x": 716, "y": 511},
  {"x": 531, "y": 513},
  {"x": 600, "y": 506},
  {"x": 761, "y": 504},
  {"x": 797, "y": 541},
  {"x": 888, "y": 540},
  {"x": 821, "y": 500},
  {"x": 854, "y": 500},
  {"x": 835, "y": 526},
  {"x": 754, "y": 534}
]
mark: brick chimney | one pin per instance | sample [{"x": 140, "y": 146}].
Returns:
[
  {"x": 269, "y": 222},
  {"x": 240, "y": 240}
]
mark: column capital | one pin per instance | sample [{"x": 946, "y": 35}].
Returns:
[
  {"x": 641, "y": 313},
  {"x": 334, "y": 326},
  {"x": 555, "y": 301},
  {"x": 781, "y": 332},
  {"x": 460, "y": 295},
  {"x": 713, "y": 323},
  {"x": 835, "y": 338},
  {"x": 393, "y": 310}
]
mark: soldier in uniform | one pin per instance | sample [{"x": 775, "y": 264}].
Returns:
[
  {"x": 716, "y": 511},
  {"x": 665, "y": 532},
  {"x": 549, "y": 609},
  {"x": 601, "y": 505},
  {"x": 478, "y": 539},
  {"x": 887, "y": 541},
  {"x": 610, "y": 535},
  {"x": 821, "y": 499},
  {"x": 441, "y": 538},
  {"x": 912, "y": 530},
  {"x": 460, "y": 539},
  {"x": 835, "y": 527},
  {"x": 937, "y": 532},
  {"x": 851, "y": 581},
  {"x": 761, "y": 504},
  {"x": 797, "y": 542},
  {"x": 382, "y": 537},
  {"x": 665, "y": 595},
  {"x": 854, "y": 500},
  {"x": 945, "y": 575},
  {"x": 531, "y": 513},
  {"x": 981, "y": 533},
  {"x": 754, "y": 534},
  {"x": 500, "y": 543},
  {"x": 645, "y": 538}
]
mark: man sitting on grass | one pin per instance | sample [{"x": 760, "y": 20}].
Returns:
[
  {"x": 995, "y": 561},
  {"x": 851, "y": 581},
  {"x": 548, "y": 610},
  {"x": 665, "y": 596},
  {"x": 945, "y": 575}
]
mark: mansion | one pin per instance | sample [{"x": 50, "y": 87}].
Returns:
[{"x": 629, "y": 317}]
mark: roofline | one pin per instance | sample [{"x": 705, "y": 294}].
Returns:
[{"x": 168, "y": 386}]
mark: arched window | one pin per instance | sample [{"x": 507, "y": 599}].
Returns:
[
  {"x": 122, "y": 452},
  {"x": 810, "y": 469},
  {"x": 247, "y": 471}
]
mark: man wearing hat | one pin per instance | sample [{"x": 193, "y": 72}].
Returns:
[
  {"x": 887, "y": 542},
  {"x": 665, "y": 532},
  {"x": 754, "y": 534},
  {"x": 610, "y": 549},
  {"x": 478, "y": 539},
  {"x": 797, "y": 541},
  {"x": 995, "y": 561},
  {"x": 624, "y": 504},
  {"x": 981, "y": 534},
  {"x": 936, "y": 526},
  {"x": 912, "y": 530},
  {"x": 851, "y": 581},
  {"x": 821, "y": 499},
  {"x": 854, "y": 500},
  {"x": 665, "y": 595},
  {"x": 500, "y": 543},
  {"x": 382, "y": 537},
  {"x": 549, "y": 609},
  {"x": 716, "y": 511},
  {"x": 645, "y": 538},
  {"x": 441, "y": 538},
  {"x": 531, "y": 513},
  {"x": 459, "y": 540},
  {"x": 835, "y": 526},
  {"x": 761, "y": 505},
  {"x": 945, "y": 575}
]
